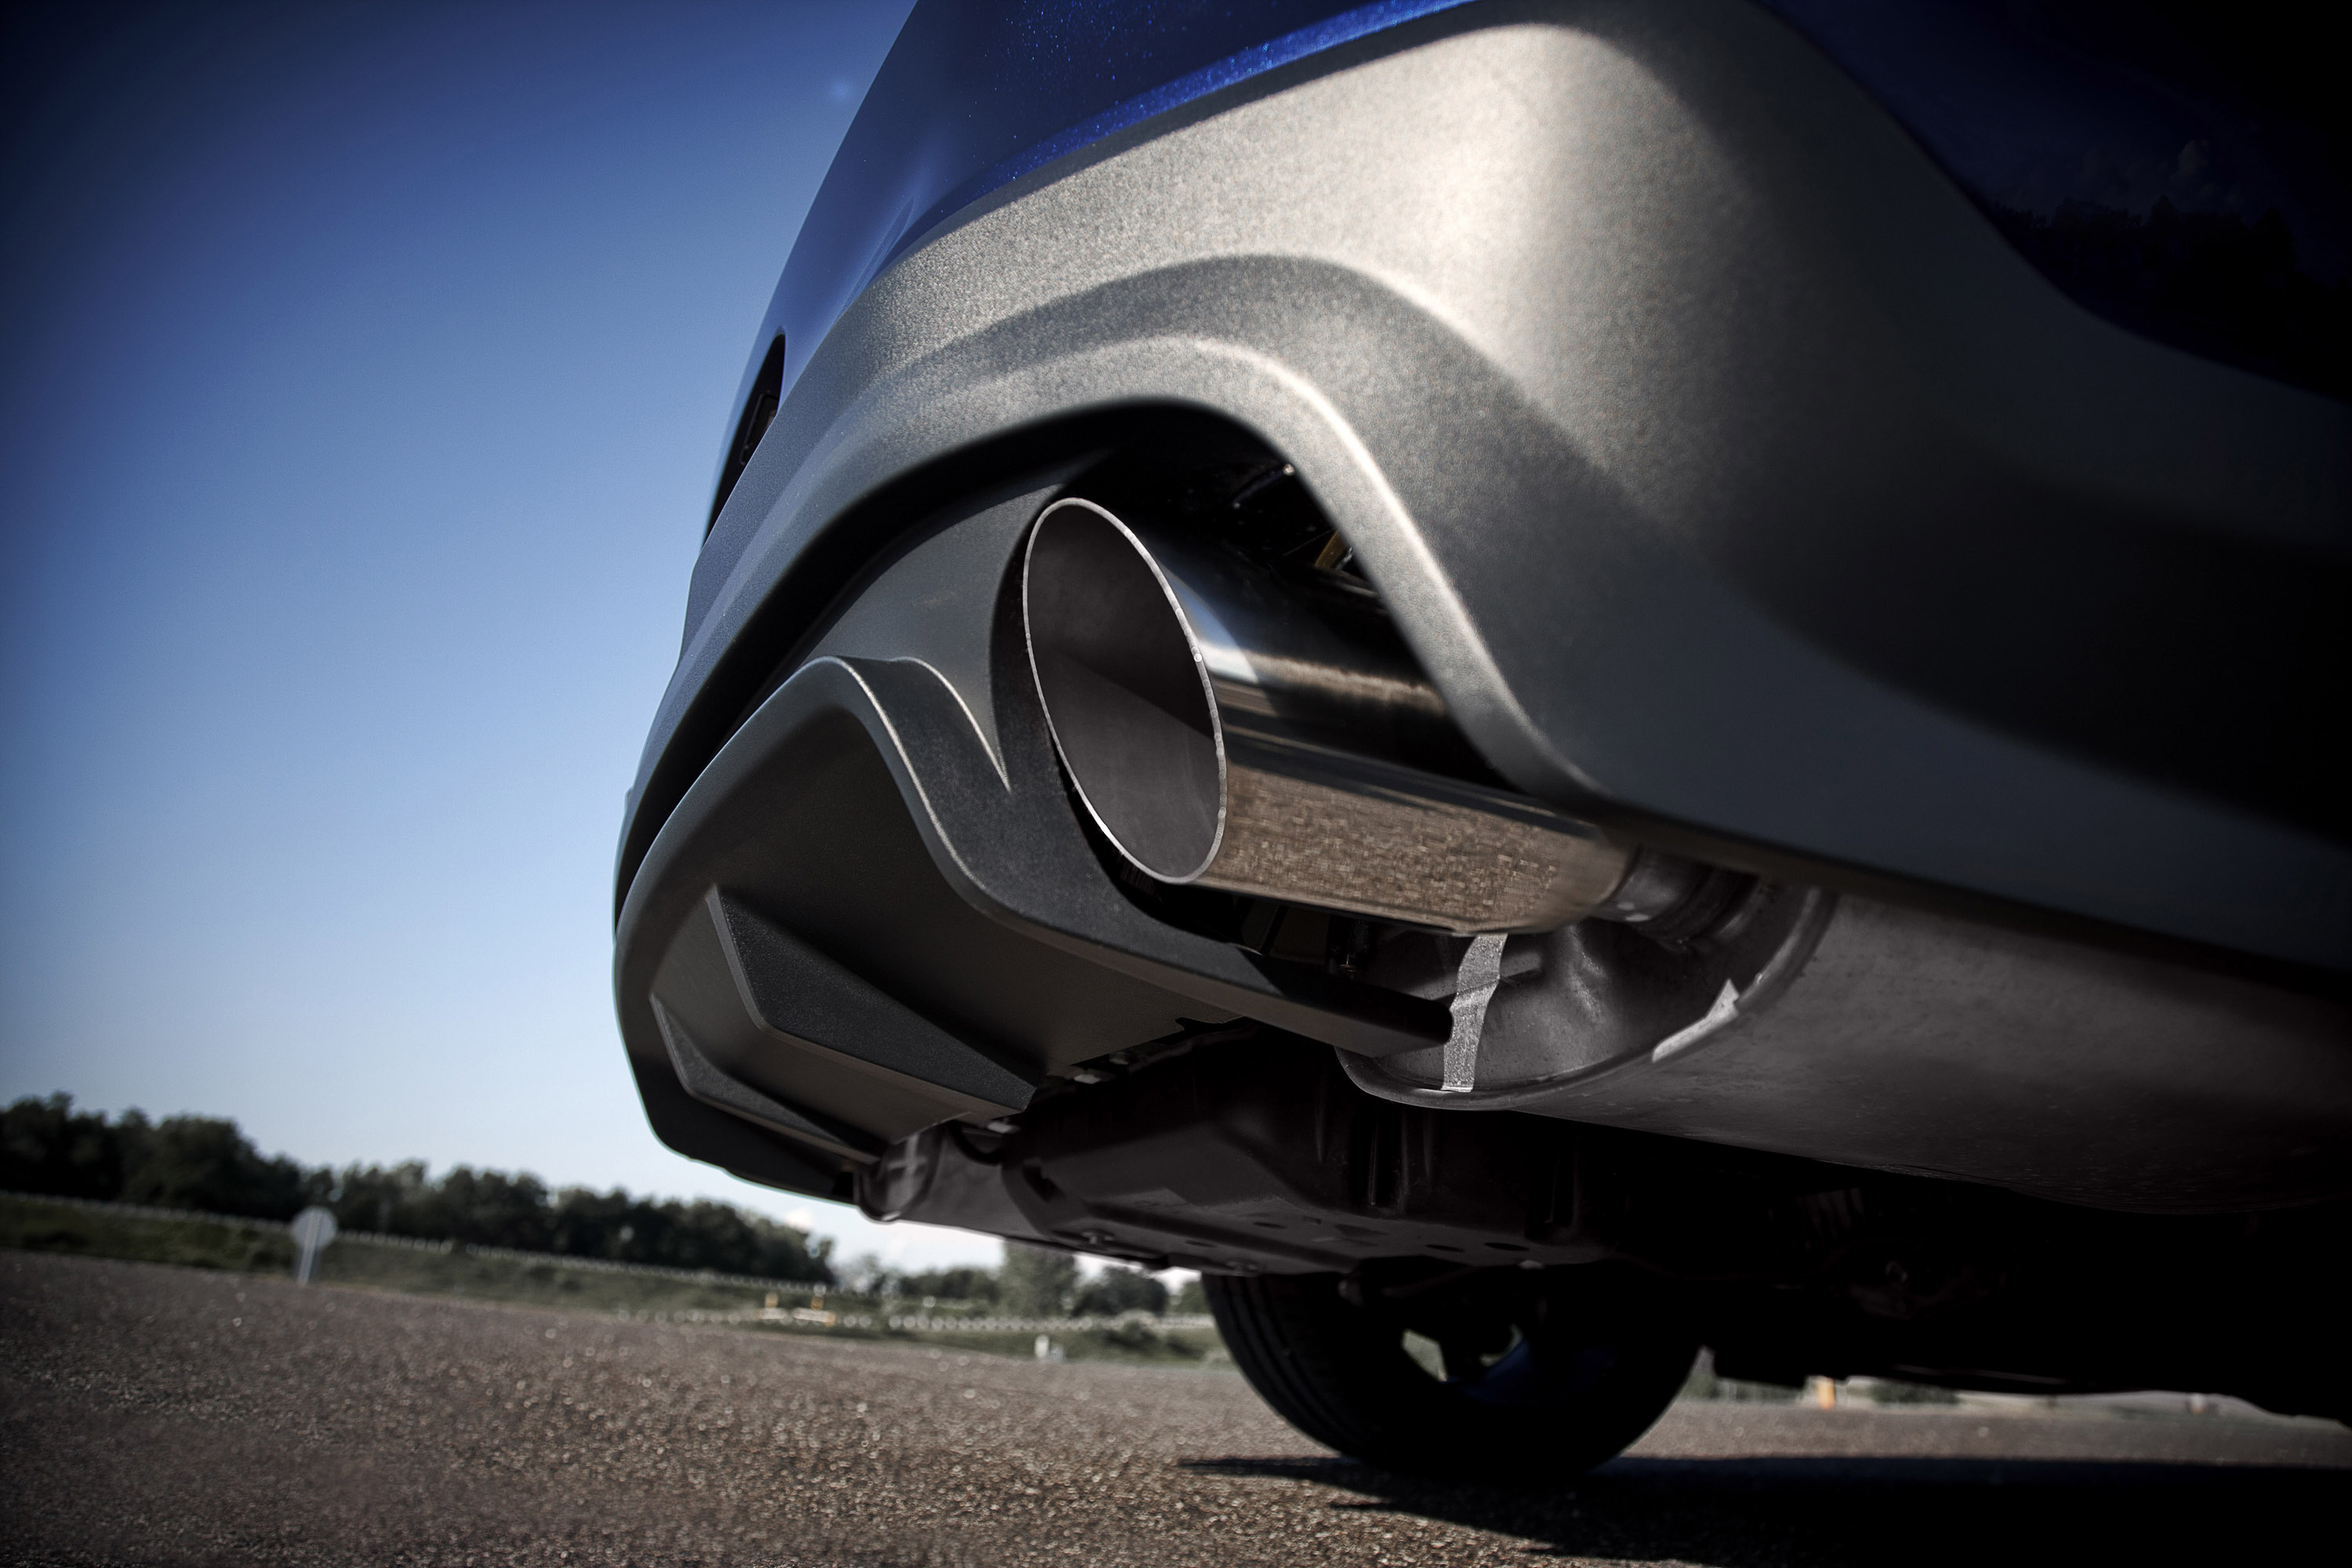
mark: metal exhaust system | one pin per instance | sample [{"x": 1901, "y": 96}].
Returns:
[{"x": 1231, "y": 727}]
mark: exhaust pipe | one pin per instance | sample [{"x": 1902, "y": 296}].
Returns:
[{"x": 1229, "y": 727}]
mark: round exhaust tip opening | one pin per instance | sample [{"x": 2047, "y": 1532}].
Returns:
[{"x": 1124, "y": 691}]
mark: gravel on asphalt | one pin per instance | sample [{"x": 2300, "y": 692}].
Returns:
[{"x": 155, "y": 1414}]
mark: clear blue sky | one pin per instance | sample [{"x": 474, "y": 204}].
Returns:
[{"x": 364, "y": 368}]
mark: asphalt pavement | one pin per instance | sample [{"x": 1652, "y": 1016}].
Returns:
[{"x": 151, "y": 1414}]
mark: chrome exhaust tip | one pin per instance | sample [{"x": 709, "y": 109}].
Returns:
[{"x": 1228, "y": 727}]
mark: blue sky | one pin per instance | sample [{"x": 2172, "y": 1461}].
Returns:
[{"x": 365, "y": 367}]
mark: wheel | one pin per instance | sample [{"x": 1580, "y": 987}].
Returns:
[{"x": 1472, "y": 1374}]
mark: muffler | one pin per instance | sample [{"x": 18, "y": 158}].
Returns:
[{"x": 1266, "y": 731}]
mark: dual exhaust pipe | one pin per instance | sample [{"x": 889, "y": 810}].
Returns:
[{"x": 1229, "y": 725}]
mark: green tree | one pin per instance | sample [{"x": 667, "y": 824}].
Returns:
[
  {"x": 47, "y": 1147},
  {"x": 390, "y": 1199},
  {"x": 490, "y": 1208},
  {"x": 1192, "y": 1298},
  {"x": 1118, "y": 1288},
  {"x": 205, "y": 1162},
  {"x": 1037, "y": 1281}
]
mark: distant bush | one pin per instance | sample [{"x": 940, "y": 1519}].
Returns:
[
  {"x": 1133, "y": 1333},
  {"x": 33, "y": 1226},
  {"x": 1120, "y": 1290},
  {"x": 207, "y": 1163},
  {"x": 1882, "y": 1391},
  {"x": 969, "y": 1282},
  {"x": 1037, "y": 1282}
]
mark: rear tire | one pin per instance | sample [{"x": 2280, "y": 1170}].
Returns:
[{"x": 1545, "y": 1376}]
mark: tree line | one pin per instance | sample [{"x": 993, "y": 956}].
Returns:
[
  {"x": 207, "y": 1163},
  {"x": 1034, "y": 1282}
]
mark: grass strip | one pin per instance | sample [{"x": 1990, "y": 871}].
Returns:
[{"x": 205, "y": 1241}]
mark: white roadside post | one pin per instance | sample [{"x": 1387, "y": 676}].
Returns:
[{"x": 314, "y": 1228}]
